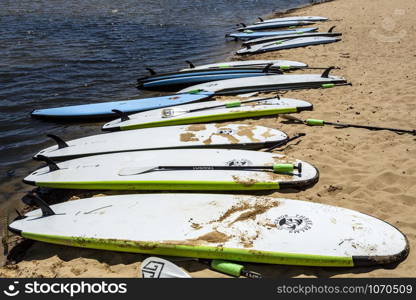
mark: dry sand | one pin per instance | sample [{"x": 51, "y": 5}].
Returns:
[{"x": 372, "y": 172}]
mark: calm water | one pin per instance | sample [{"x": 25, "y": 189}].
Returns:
[{"x": 60, "y": 52}]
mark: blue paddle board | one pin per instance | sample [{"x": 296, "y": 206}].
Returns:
[
  {"x": 180, "y": 80},
  {"x": 105, "y": 109}
]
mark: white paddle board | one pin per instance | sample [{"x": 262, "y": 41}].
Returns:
[
  {"x": 157, "y": 117},
  {"x": 214, "y": 226},
  {"x": 294, "y": 18},
  {"x": 186, "y": 136},
  {"x": 249, "y": 63},
  {"x": 134, "y": 171},
  {"x": 265, "y": 83},
  {"x": 287, "y": 44}
]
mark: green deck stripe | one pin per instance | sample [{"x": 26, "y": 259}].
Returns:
[
  {"x": 208, "y": 252},
  {"x": 162, "y": 185},
  {"x": 212, "y": 118}
]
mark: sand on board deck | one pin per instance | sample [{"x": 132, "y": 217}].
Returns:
[{"x": 371, "y": 172}]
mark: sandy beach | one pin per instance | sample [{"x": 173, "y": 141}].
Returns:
[{"x": 371, "y": 172}]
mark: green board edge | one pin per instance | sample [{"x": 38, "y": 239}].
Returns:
[
  {"x": 207, "y": 252},
  {"x": 212, "y": 118},
  {"x": 174, "y": 185}
]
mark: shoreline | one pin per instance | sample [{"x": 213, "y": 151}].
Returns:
[{"x": 371, "y": 172}]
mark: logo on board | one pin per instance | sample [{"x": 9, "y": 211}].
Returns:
[
  {"x": 293, "y": 224},
  {"x": 228, "y": 131},
  {"x": 242, "y": 162}
]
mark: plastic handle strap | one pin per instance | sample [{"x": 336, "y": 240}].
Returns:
[
  {"x": 223, "y": 66},
  {"x": 284, "y": 67},
  {"x": 314, "y": 122},
  {"x": 194, "y": 91},
  {"x": 283, "y": 168},
  {"x": 278, "y": 43},
  {"x": 233, "y": 104},
  {"x": 327, "y": 85},
  {"x": 226, "y": 267}
]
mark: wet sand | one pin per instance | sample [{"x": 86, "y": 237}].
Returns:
[{"x": 371, "y": 172}]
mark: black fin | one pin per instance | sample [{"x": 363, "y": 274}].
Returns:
[
  {"x": 244, "y": 25},
  {"x": 267, "y": 67},
  {"x": 248, "y": 47},
  {"x": 325, "y": 74},
  {"x": 278, "y": 96},
  {"x": 51, "y": 164},
  {"x": 299, "y": 167},
  {"x": 331, "y": 29},
  {"x": 261, "y": 19},
  {"x": 151, "y": 71},
  {"x": 61, "y": 143},
  {"x": 19, "y": 215},
  {"x": 123, "y": 116},
  {"x": 191, "y": 65},
  {"x": 36, "y": 200}
]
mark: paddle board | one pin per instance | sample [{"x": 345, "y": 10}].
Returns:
[
  {"x": 291, "y": 36},
  {"x": 250, "y": 34},
  {"x": 134, "y": 171},
  {"x": 294, "y": 18},
  {"x": 271, "y": 25},
  {"x": 265, "y": 83},
  {"x": 157, "y": 117},
  {"x": 248, "y": 63},
  {"x": 185, "y": 136},
  {"x": 103, "y": 110},
  {"x": 287, "y": 44},
  {"x": 215, "y": 226},
  {"x": 177, "y": 80}
]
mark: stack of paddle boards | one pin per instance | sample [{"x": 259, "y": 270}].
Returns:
[{"x": 170, "y": 144}]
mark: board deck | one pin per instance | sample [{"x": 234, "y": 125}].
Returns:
[
  {"x": 248, "y": 63},
  {"x": 185, "y": 136},
  {"x": 295, "y": 18},
  {"x": 104, "y": 110},
  {"x": 271, "y": 25},
  {"x": 155, "y": 118},
  {"x": 178, "y": 80},
  {"x": 287, "y": 44},
  {"x": 250, "y": 34},
  {"x": 290, "y": 36},
  {"x": 264, "y": 83},
  {"x": 214, "y": 226},
  {"x": 123, "y": 171}
]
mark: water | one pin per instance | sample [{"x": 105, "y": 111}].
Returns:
[{"x": 60, "y": 52}]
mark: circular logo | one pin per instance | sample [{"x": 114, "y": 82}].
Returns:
[
  {"x": 293, "y": 224},
  {"x": 238, "y": 162},
  {"x": 228, "y": 131}
]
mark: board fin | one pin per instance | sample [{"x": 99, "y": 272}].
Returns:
[
  {"x": 151, "y": 71},
  {"x": 331, "y": 29},
  {"x": 123, "y": 116},
  {"x": 261, "y": 19},
  {"x": 242, "y": 24},
  {"x": 33, "y": 199},
  {"x": 267, "y": 67},
  {"x": 61, "y": 143},
  {"x": 325, "y": 74},
  {"x": 191, "y": 65},
  {"x": 51, "y": 164}
]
